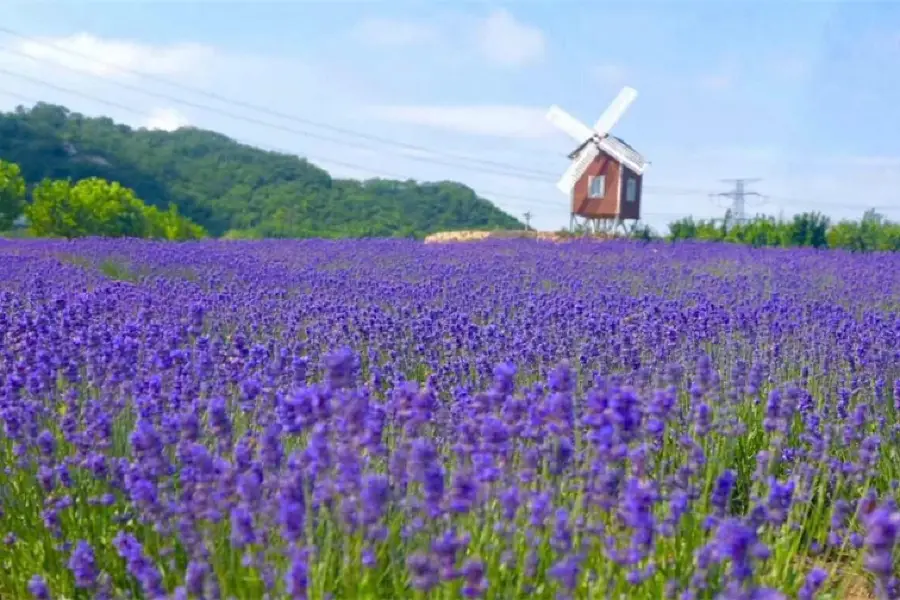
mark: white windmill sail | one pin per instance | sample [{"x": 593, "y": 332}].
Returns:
[
  {"x": 592, "y": 141},
  {"x": 569, "y": 124},
  {"x": 614, "y": 111},
  {"x": 579, "y": 165}
]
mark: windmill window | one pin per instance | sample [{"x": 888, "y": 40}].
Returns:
[
  {"x": 597, "y": 186},
  {"x": 630, "y": 189}
]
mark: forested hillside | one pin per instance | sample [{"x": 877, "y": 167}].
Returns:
[{"x": 233, "y": 189}]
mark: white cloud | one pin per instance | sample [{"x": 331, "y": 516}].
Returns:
[
  {"x": 166, "y": 119},
  {"x": 522, "y": 122},
  {"x": 114, "y": 57},
  {"x": 507, "y": 42},
  {"x": 394, "y": 32},
  {"x": 92, "y": 80}
]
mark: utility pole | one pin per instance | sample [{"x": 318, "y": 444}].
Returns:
[
  {"x": 527, "y": 216},
  {"x": 738, "y": 197}
]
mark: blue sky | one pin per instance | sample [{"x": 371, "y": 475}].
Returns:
[{"x": 804, "y": 95}]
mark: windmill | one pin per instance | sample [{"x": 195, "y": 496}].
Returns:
[{"x": 605, "y": 178}]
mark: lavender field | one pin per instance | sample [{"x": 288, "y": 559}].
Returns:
[{"x": 387, "y": 419}]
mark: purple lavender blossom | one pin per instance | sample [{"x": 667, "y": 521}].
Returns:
[
  {"x": 38, "y": 589},
  {"x": 268, "y": 419},
  {"x": 83, "y": 565}
]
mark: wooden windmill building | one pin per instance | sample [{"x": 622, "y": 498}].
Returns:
[{"x": 605, "y": 178}]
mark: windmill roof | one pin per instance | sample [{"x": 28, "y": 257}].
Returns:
[
  {"x": 624, "y": 143},
  {"x": 624, "y": 153}
]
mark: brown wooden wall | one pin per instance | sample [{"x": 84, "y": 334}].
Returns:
[
  {"x": 598, "y": 208},
  {"x": 607, "y": 207}
]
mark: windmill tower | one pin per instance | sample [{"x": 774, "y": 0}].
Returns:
[{"x": 605, "y": 178}]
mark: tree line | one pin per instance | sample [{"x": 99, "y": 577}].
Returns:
[
  {"x": 810, "y": 229},
  {"x": 90, "y": 207},
  {"x": 235, "y": 190},
  {"x": 98, "y": 177}
]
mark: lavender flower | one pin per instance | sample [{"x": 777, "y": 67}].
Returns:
[
  {"x": 38, "y": 589},
  {"x": 83, "y": 565},
  {"x": 332, "y": 417}
]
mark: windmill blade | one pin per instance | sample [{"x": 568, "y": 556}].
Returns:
[
  {"x": 577, "y": 168},
  {"x": 614, "y": 111},
  {"x": 569, "y": 124}
]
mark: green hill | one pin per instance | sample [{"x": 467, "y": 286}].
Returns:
[{"x": 226, "y": 186}]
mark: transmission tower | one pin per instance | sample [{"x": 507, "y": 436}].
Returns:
[
  {"x": 527, "y": 216},
  {"x": 738, "y": 197}
]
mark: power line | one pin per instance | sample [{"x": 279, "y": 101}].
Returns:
[
  {"x": 233, "y": 102},
  {"x": 520, "y": 200},
  {"x": 517, "y": 171},
  {"x": 320, "y": 159},
  {"x": 130, "y": 109},
  {"x": 525, "y": 174},
  {"x": 305, "y": 133}
]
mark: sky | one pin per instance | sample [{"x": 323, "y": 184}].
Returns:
[{"x": 804, "y": 96}]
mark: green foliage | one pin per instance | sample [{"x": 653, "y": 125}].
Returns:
[
  {"x": 94, "y": 207},
  {"x": 12, "y": 194},
  {"x": 683, "y": 229},
  {"x": 225, "y": 186},
  {"x": 871, "y": 233},
  {"x": 688, "y": 229},
  {"x": 117, "y": 271},
  {"x": 169, "y": 225},
  {"x": 807, "y": 229},
  {"x": 240, "y": 234},
  {"x": 52, "y": 211},
  {"x": 759, "y": 232}
]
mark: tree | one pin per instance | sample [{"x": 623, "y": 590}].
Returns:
[
  {"x": 872, "y": 229},
  {"x": 847, "y": 235},
  {"x": 90, "y": 207},
  {"x": 807, "y": 229},
  {"x": 758, "y": 232},
  {"x": 51, "y": 212},
  {"x": 114, "y": 210},
  {"x": 97, "y": 207},
  {"x": 709, "y": 231},
  {"x": 683, "y": 229},
  {"x": 169, "y": 225},
  {"x": 12, "y": 194}
]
